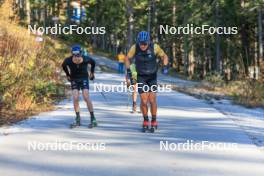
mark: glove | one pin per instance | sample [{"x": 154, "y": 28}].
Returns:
[
  {"x": 129, "y": 76},
  {"x": 92, "y": 76},
  {"x": 165, "y": 69}
]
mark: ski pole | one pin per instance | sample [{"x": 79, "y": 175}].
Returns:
[
  {"x": 128, "y": 99},
  {"x": 103, "y": 95}
]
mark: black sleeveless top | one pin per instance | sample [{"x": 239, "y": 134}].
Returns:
[{"x": 146, "y": 61}]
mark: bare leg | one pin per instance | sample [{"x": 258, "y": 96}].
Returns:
[
  {"x": 135, "y": 93},
  {"x": 153, "y": 103},
  {"x": 75, "y": 95},
  {"x": 134, "y": 97},
  {"x": 86, "y": 98},
  {"x": 144, "y": 104}
]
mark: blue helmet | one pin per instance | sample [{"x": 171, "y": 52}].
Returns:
[
  {"x": 143, "y": 37},
  {"x": 76, "y": 49}
]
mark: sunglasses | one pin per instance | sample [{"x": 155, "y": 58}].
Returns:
[
  {"x": 76, "y": 55},
  {"x": 143, "y": 43}
]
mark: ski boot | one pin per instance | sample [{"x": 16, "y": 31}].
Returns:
[
  {"x": 154, "y": 126},
  {"x": 93, "y": 123},
  {"x": 145, "y": 126},
  {"x": 76, "y": 123}
]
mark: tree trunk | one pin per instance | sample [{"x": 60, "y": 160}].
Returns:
[
  {"x": 81, "y": 4},
  {"x": 150, "y": 5},
  {"x": 185, "y": 54},
  {"x": 260, "y": 43},
  {"x": 191, "y": 61},
  {"x": 205, "y": 59},
  {"x": 155, "y": 25},
  {"x": 45, "y": 14},
  {"x": 218, "y": 50},
  {"x": 174, "y": 43},
  {"x": 130, "y": 21},
  {"x": 21, "y": 9},
  {"x": 68, "y": 11},
  {"x": 185, "y": 47},
  {"x": 256, "y": 55},
  {"x": 28, "y": 12},
  {"x": 95, "y": 24},
  {"x": 245, "y": 41},
  {"x": 260, "y": 33}
]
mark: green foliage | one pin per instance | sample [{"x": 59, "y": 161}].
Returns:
[
  {"x": 235, "y": 51},
  {"x": 250, "y": 93},
  {"x": 28, "y": 69},
  {"x": 197, "y": 56},
  {"x": 215, "y": 79}
]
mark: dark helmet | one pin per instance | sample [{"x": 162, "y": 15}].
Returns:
[
  {"x": 143, "y": 37},
  {"x": 76, "y": 49}
]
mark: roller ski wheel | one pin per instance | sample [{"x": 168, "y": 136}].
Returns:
[
  {"x": 77, "y": 123},
  {"x": 93, "y": 124},
  {"x": 145, "y": 126},
  {"x": 154, "y": 126},
  {"x": 134, "y": 112}
]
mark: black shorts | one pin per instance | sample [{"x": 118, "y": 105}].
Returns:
[
  {"x": 80, "y": 84},
  {"x": 147, "y": 83}
]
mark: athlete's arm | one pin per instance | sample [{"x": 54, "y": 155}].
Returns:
[
  {"x": 129, "y": 56},
  {"x": 165, "y": 60},
  {"x": 163, "y": 56},
  {"x": 65, "y": 69},
  {"x": 127, "y": 62},
  {"x": 92, "y": 62}
]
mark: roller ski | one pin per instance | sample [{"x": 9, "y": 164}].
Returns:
[
  {"x": 145, "y": 126},
  {"x": 77, "y": 123},
  {"x": 154, "y": 126},
  {"x": 93, "y": 124}
]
